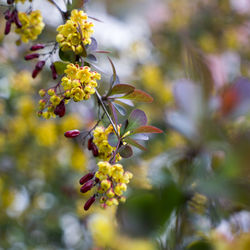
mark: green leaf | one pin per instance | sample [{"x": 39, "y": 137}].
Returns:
[
  {"x": 122, "y": 89},
  {"x": 138, "y": 95},
  {"x": 68, "y": 56},
  {"x": 147, "y": 129},
  {"x": 126, "y": 151},
  {"x": 136, "y": 119},
  {"x": 112, "y": 139},
  {"x": 134, "y": 143},
  {"x": 60, "y": 67}
]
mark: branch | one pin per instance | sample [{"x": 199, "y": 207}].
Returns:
[{"x": 106, "y": 112}]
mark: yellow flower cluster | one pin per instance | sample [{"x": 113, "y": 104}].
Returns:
[
  {"x": 78, "y": 84},
  {"x": 75, "y": 33},
  {"x": 50, "y": 102},
  {"x": 113, "y": 182},
  {"x": 32, "y": 25},
  {"x": 101, "y": 141}
]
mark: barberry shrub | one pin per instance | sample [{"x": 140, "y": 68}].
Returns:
[{"x": 199, "y": 176}]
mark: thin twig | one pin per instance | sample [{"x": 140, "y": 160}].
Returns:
[{"x": 106, "y": 112}]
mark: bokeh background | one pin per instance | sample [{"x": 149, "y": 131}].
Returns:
[{"x": 191, "y": 188}]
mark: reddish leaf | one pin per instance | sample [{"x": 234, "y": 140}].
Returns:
[
  {"x": 122, "y": 89},
  {"x": 139, "y": 95},
  {"x": 136, "y": 119},
  {"x": 134, "y": 143},
  {"x": 147, "y": 129}
]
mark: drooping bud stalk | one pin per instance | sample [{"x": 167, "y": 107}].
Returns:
[
  {"x": 53, "y": 70},
  {"x": 31, "y": 56},
  {"x": 38, "y": 68},
  {"x": 89, "y": 202},
  {"x": 7, "y": 27},
  {"x": 86, "y": 178},
  {"x": 87, "y": 186},
  {"x": 95, "y": 150},
  {"x": 60, "y": 109},
  {"x": 90, "y": 143},
  {"x": 72, "y": 133},
  {"x": 16, "y": 19},
  {"x": 37, "y": 47}
]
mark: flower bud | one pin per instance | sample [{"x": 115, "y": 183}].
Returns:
[
  {"x": 95, "y": 150},
  {"x": 16, "y": 20},
  {"x": 60, "y": 109},
  {"x": 90, "y": 143},
  {"x": 7, "y": 14},
  {"x": 31, "y": 56},
  {"x": 89, "y": 202},
  {"x": 87, "y": 186},
  {"x": 72, "y": 133},
  {"x": 53, "y": 70},
  {"x": 86, "y": 178},
  {"x": 42, "y": 92},
  {"x": 37, "y": 47},
  {"x": 7, "y": 27},
  {"x": 38, "y": 68}
]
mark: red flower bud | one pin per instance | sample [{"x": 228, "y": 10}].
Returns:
[
  {"x": 90, "y": 143},
  {"x": 95, "y": 150},
  {"x": 60, "y": 109},
  {"x": 7, "y": 14},
  {"x": 31, "y": 56},
  {"x": 72, "y": 133},
  {"x": 89, "y": 202},
  {"x": 37, "y": 47},
  {"x": 87, "y": 186},
  {"x": 86, "y": 178},
  {"x": 10, "y": 1},
  {"x": 16, "y": 20},
  {"x": 38, "y": 68},
  {"x": 7, "y": 27},
  {"x": 53, "y": 70}
]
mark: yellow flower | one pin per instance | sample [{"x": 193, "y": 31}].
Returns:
[
  {"x": 101, "y": 141},
  {"x": 77, "y": 94},
  {"x": 32, "y": 25},
  {"x": 71, "y": 71},
  {"x": 112, "y": 183},
  {"x": 78, "y": 16},
  {"x": 75, "y": 33}
]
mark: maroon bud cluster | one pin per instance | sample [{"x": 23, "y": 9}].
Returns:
[
  {"x": 39, "y": 66},
  {"x": 93, "y": 147},
  {"x": 72, "y": 133},
  {"x": 89, "y": 202},
  {"x": 60, "y": 109},
  {"x": 11, "y": 17},
  {"x": 87, "y": 183}
]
